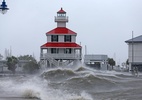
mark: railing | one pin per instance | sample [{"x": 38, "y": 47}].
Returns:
[
  {"x": 61, "y": 56},
  {"x": 51, "y": 58}
]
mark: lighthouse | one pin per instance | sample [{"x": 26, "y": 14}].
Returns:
[{"x": 61, "y": 48}]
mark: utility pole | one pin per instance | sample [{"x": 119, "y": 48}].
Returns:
[
  {"x": 132, "y": 51},
  {"x": 85, "y": 49}
]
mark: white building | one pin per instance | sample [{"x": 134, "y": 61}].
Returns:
[
  {"x": 96, "y": 61},
  {"x": 61, "y": 48},
  {"x": 135, "y": 52}
]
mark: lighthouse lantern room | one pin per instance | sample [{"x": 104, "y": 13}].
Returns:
[{"x": 61, "y": 48}]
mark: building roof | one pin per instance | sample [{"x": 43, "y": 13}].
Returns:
[
  {"x": 61, "y": 11},
  {"x": 137, "y": 39},
  {"x": 61, "y": 30},
  {"x": 60, "y": 45}
]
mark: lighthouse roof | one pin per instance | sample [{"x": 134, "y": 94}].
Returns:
[
  {"x": 61, "y": 11},
  {"x": 61, "y": 30},
  {"x": 60, "y": 45}
]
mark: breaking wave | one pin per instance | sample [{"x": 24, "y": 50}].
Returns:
[
  {"x": 63, "y": 84},
  {"x": 80, "y": 79},
  {"x": 58, "y": 74}
]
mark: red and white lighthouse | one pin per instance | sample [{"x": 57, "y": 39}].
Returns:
[{"x": 61, "y": 48}]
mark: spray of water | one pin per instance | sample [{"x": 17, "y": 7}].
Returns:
[{"x": 37, "y": 88}]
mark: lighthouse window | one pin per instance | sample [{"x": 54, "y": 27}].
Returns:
[
  {"x": 67, "y": 51},
  {"x": 67, "y": 38},
  {"x": 54, "y": 38},
  {"x": 54, "y": 50},
  {"x": 61, "y": 15}
]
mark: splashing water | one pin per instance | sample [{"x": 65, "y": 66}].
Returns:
[
  {"x": 36, "y": 88},
  {"x": 69, "y": 84}
]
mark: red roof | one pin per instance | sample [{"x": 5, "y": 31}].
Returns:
[
  {"x": 61, "y": 30},
  {"x": 61, "y": 11},
  {"x": 60, "y": 45}
]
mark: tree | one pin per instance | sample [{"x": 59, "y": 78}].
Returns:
[
  {"x": 111, "y": 62},
  {"x": 127, "y": 62},
  {"x": 11, "y": 63},
  {"x": 26, "y": 57},
  {"x": 1, "y": 57},
  {"x": 32, "y": 65}
]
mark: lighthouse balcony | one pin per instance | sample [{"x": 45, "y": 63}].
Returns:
[
  {"x": 61, "y": 56},
  {"x": 61, "y": 19}
]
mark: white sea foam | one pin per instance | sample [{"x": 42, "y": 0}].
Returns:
[
  {"x": 82, "y": 96},
  {"x": 38, "y": 88}
]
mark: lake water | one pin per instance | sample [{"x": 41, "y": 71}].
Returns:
[{"x": 72, "y": 84}]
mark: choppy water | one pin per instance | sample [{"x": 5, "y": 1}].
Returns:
[{"x": 72, "y": 84}]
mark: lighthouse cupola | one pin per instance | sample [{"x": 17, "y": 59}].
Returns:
[{"x": 61, "y": 18}]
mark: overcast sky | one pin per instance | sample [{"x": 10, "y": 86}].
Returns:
[{"x": 102, "y": 25}]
